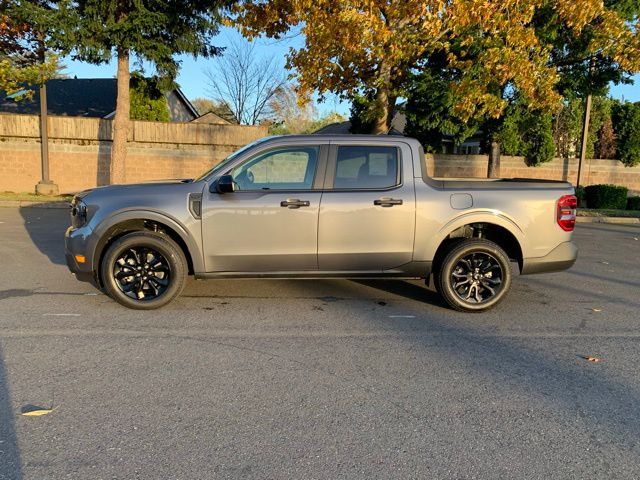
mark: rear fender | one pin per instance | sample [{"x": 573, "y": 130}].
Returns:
[{"x": 487, "y": 216}]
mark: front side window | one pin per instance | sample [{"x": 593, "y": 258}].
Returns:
[
  {"x": 362, "y": 167},
  {"x": 286, "y": 168}
]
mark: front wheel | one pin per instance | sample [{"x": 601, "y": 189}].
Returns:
[
  {"x": 143, "y": 270},
  {"x": 474, "y": 276}
]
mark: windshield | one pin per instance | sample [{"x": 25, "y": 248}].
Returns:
[{"x": 220, "y": 166}]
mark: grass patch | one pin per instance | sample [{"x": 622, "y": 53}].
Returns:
[
  {"x": 592, "y": 212},
  {"x": 32, "y": 197}
]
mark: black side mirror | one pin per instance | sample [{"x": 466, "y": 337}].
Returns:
[{"x": 224, "y": 184}]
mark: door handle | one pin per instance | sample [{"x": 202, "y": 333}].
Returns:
[
  {"x": 387, "y": 202},
  {"x": 294, "y": 203}
]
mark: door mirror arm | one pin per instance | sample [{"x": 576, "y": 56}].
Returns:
[{"x": 224, "y": 184}]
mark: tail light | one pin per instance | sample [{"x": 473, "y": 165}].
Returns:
[{"x": 566, "y": 212}]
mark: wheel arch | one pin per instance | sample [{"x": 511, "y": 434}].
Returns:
[
  {"x": 499, "y": 230},
  {"x": 140, "y": 221}
]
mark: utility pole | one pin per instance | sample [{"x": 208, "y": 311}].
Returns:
[
  {"x": 45, "y": 186},
  {"x": 585, "y": 125},
  {"x": 585, "y": 136}
]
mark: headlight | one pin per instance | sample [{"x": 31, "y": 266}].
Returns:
[{"x": 78, "y": 213}]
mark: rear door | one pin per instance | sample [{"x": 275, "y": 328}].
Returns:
[{"x": 367, "y": 212}]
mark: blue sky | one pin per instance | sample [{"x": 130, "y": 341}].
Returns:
[{"x": 193, "y": 80}]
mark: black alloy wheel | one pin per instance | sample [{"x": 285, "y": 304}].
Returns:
[
  {"x": 477, "y": 277},
  {"x": 142, "y": 273},
  {"x": 474, "y": 276},
  {"x": 143, "y": 270}
]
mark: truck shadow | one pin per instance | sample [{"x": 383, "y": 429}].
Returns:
[
  {"x": 46, "y": 227},
  {"x": 406, "y": 290},
  {"x": 553, "y": 378},
  {"x": 10, "y": 465}
]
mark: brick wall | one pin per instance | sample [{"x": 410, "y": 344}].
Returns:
[
  {"x": 593, "y": 171},
  {"x": 79, "y": 150}
]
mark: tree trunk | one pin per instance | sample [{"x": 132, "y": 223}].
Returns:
[
  {"x": 380, "y": 125},
  {"x": 383, "y": 103},
  {"x": 494, "y": 160},
  {"x": 121, "y": 122}
]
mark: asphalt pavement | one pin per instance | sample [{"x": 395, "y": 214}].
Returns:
[{"x": 292, "y": 379}]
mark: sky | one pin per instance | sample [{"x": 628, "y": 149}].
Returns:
[
  {"x": 194, "y": 82},
  {"x": 192, "y": 77}
]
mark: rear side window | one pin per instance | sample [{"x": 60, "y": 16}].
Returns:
[{"x": 364, "y": 167}]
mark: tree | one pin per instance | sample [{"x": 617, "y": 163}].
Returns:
[
  {"x": 205, "y": 105},
  {"x": 293, "y": 114},
  {"x": 528, "y": 133},
  {"x": 152, "y": 31},
  {"x": 244, "y": 83},
  {"x": 147, "y": 100},
  {"x": 626, "y": 121},
  {"x": 605, "y": 146},
  {"x": 371, "y": 47},
  {"x": 567, "y": 127},
  {"x": 430, "y": 105},
  {"x": 25, "y": 60}
]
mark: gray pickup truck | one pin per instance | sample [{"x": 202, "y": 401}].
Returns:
[{"x": 316, "y": 207}]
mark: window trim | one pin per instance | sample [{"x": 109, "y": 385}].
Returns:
[
  {"x": 332, "y": 162},
  {"x": 319, "y": 174}
]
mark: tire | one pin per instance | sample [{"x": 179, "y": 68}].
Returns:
[
  {"x": 143, "y": 270},
  {"x": 474, "y": 276}
]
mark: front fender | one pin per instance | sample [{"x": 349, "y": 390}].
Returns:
[{"x": 99, "y": 239}]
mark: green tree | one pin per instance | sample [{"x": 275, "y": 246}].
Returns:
[
  {"x": 626, "y": 121},
  {"x": 363, "y": 113},
  {"x": 430, "y": 106},
  {"x": 148, "y": 101},
  {"x": 28, "y": 44},
  {"x": 605, "y": 146},
  {"x": 527, "y": 133},
  {"x": 154, "y": 31}
]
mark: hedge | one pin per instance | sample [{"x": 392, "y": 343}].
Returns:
[
  {"x": 606, "y": 196},
  {"x": 633, "y": 203}
]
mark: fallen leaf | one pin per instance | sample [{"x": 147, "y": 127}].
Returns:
[
  {"x": 33, "y": 411},
  {"x": 590, "y": 359}
]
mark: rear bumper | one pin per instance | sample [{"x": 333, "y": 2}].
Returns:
[{"x": 560, "y": 258}]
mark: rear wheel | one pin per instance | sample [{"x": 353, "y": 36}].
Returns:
[
  {"x": 474, "y": 276},
  {"x": 143, "y": 270}
]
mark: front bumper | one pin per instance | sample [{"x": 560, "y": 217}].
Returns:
[
  {"x": 560, "y": 258},
  {"x": 76, "y": 244}
]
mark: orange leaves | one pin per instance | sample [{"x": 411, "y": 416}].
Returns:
[{"x": 492, "y": 43}]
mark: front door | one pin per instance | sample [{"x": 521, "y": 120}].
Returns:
[
  {"x": 270, "y": 222},
  {"x": 367, "y": 213}
]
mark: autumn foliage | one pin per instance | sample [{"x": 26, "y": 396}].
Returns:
[
  {"x": 371, "y": 46},
  {"x": 19, "y": 63}
]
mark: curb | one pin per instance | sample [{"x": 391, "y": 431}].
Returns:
[
  {"x": 614, "y": 220},
  {"x": 30, "y": 204}
]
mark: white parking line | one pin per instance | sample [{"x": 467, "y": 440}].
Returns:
[
  {"x": 61, "y": 314},
  {"x": 402, "y": 316}
]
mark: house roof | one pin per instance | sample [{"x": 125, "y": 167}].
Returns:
[
  {"x": 77, "y": 97},
  {"x": 210, "y": 118}
]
